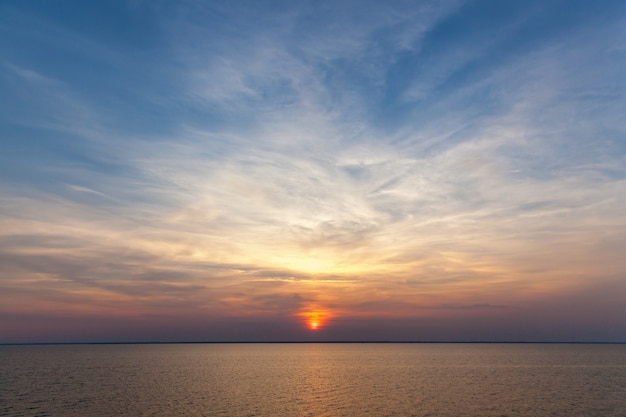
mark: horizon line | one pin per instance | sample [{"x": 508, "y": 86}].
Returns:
[{"x": 316, "y": 342}]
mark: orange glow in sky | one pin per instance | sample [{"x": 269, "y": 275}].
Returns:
[
  {"x": 301, "y": 189},
  {"x": 314, "y": 320}
]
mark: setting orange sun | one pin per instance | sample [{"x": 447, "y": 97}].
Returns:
[{"x": 314, "y": 320}]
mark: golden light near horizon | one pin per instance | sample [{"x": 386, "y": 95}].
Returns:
[
  {"x": 402, "y": 197},
  {"x": 314, "y": 320},
  {"x": 321, "y": 262}
]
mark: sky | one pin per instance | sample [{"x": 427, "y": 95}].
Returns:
[{"x": 312, "y": 170}]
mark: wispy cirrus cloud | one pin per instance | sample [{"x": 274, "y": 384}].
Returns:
[{"x": 384, "y": 161}]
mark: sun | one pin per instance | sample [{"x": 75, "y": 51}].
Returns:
[{"x": 314, "y": 320}]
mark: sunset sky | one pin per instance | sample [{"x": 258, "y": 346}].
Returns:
[{"x": 248, "y": 170}]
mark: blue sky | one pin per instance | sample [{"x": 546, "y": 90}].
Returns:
[{"x": 451, "y": 170}]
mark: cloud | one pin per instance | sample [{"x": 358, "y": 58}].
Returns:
[
  {"x": 469, "y": 307},
  {"x": 385, "y": 161}
]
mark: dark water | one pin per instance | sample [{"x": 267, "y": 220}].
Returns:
[{"x": 313, "y": 380}]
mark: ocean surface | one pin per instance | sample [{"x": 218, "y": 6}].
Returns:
[{"x": 313, "y": 380}]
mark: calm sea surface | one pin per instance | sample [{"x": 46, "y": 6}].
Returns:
[{"x": 313, "y": 380}]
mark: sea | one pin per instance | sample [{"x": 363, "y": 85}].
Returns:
[{"x": 316, "y": 379}]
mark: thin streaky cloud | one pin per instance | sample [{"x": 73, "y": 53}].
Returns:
[{"x": 240, "y": 161}]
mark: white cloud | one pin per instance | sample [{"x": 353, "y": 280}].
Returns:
[{"x": 271, "y": 165}]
